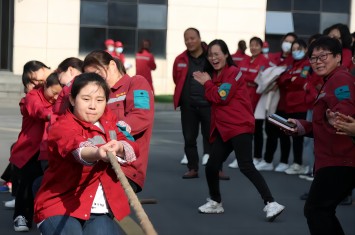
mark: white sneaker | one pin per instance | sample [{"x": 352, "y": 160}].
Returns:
[
  {"x": 273, "y": 209},
  {"x": 205, "y": 159},
  {"x": 20, "y": 224},
  {"x": 10, "y": 204},
  {"x": 281, "y": 167},
  {"x": 296, "y": 169},
  {"x": 233, "y": 164},
  {"x": 211, "y": 207},
  {"x": 184, "y": 160},
  {"x": 256, "y": 161},
  {"x": 264, "y": 166}
]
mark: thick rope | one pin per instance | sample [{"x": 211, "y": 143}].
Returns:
[{"x": 144, "y": 221}]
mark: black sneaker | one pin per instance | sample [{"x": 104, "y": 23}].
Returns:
[{"x": 20, "y": 224}]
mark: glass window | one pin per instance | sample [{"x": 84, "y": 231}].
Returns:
[
  {"x": 152, "y": 16},
  {"x": 279, "y": 22},
  {"x": 341, "y": 6},
  {"x": 93, "y": 13},
  {"x": 157, "y": 40},
  {"x": 328, "y": 19},
  {"x": 121, "y": 14},
  {"x": 127, "y": 37},
  {"x": 306, "y": 24},
  {"x": 91, "y": 39},
  {"x": 306, "y": 5},
  {"x": 278, "y": 5},
  {"x": 126, "y": 1},
  {"x": 153, "y": 1}
]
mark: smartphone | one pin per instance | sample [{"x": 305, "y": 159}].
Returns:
[{"x": 281, "y": 122}]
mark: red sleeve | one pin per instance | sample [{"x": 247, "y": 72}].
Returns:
[
  {"x": 62, "y": 102},
  {"x": 347, "y": 59},
  {"x": 35, "y": 107},
  {"x": 152, "y": 64}
]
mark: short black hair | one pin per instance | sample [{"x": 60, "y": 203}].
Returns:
[{"x": 326, "y": 43}]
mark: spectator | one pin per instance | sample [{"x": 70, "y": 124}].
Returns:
[{"x": 239, "y": 56}]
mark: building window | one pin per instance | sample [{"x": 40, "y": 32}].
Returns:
[{"x": 128, "y": 21}]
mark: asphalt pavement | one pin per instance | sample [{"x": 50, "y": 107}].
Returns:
[{"x": 178, "y": 199}]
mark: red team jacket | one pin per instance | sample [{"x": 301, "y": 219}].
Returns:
[
  {"x": 239, "y": 57},
  {"x": 145, "y": 63},
  {"x": 69, "y": 186},
  {"x": 132, "y": 101},
  {"x": 35, "y": 111},
  {"x": 180, "y": 69},
  {"x": 250, "y": 70},
  {"x": 231, "y": 111},
  {"x": 338, "y": 95}
]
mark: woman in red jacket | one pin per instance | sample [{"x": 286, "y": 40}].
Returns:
[
  {"x": 80, "y": 193},
  {"x": 232, "y": 127},
  {"x": 36, "y": 111}
]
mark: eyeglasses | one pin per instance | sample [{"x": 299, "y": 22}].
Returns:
[{"x": 322, "y": 57}]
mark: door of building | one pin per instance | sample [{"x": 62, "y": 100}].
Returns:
[{"x": 6, "y": 35}]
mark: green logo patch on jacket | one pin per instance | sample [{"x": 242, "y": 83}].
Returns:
[
  {"x": 305, "y": 71},
  {"x": 223, "y": 90},
  {"x": 342, "y": 92},
  {"x": 141, "y": 99}
]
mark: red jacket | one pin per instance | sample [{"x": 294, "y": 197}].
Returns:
[
  {"x": 180, "y": 69},
  {"x": 251, "y": 68},
  {"x": 346, "y": 58},
  {"x": 291, "y": 84},
  {"x": 338, "y": 95},
  {"x": 132, "y": 101},
  {"x": 231, "y": 111},
  {"x": 277, "y": 59},
  {"x": 239, "y": 57},
  {"x": 62, "y": 102},
  {"x": 34, "y": 115},
  {"x": 145, "y": 63},
  {"x": 68, "y": 186}
]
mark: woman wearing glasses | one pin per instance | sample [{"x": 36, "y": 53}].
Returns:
[{"x": 334, "y": 154}]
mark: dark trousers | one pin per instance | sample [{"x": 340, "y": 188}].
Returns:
[
  {"x": 328, "y": 189},
  {"x": 191, "y": 118},
  {"x": 242, "y": 146},
  {"x": 24, "y": 197},
  {"x": 258, "y": 138}
]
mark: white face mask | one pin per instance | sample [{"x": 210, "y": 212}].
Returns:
[
  {"x": 119, "y": 49},
  {"x": 110, "y": 48},
  {"x": 286, "y": 46},
  {"x": 265, "y": 50}
]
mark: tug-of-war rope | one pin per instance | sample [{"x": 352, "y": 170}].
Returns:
[{"x": 144, "y": 221}]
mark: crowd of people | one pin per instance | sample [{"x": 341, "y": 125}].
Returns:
[{"x": 73, "y": 115}]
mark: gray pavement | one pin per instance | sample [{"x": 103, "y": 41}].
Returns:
[{"x": 178, "y": 199}]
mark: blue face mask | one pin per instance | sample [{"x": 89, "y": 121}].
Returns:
[
  {"x": 265, "y": 50},
  {"x": 298, "y": 55}
]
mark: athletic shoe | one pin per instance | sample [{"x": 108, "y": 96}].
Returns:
[
  {"x": 184, "y": 160},
  {"x": 20, "y": 224},
  {"x": 296, "y": 169},
  {"x": 233, "y": 164},
  {"x": 4, "y": 189},
  {"x": 273, "y": 209},
  {"x": 205, "y": 159},
  {"x": 10, "y": 204},
  {"x": 264, "y": 166},
  {"x": 308, "y": 177},
  {"x": 256, "y": 161},
  {"x": 211, "y": 207},
  {"x": 190, "y": 174},
  {"x": 281, "y": 167}
]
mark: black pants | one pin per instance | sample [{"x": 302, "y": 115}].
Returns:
[
  {"x": 258, "y": 138},
  {"x": 242, "y": 146},
  {"x": 24, "y": 197},
  {"x": 191, "y": 118},
  {"x": 328, "y": 189}
]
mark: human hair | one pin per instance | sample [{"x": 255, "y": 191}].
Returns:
[
  {"x": 224, "y": 49},
  {"x": 313, "y": 38},
  {"x": 100, "y": 59},
  {"x": 345, "y": 35},
  {"x": 52, "y": 80},
  {"x": 193, "y": 29},
  {"x": 258, "y": 40},
  {"x": 70, "y": 62},
  {"x": 242, "y": 45},
  {"x": 326, "y": 43},
  {"x": 84, "y": 79},
  {"x": 145, "y": 45},
  {"x": 302, "y": 43},
  {"x": 292, "y": 34},
  {"x": 30, "y": 67}
]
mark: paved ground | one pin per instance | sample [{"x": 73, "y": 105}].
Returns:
[{"x": 178, "y": 199}]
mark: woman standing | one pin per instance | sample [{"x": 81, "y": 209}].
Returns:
[
  {"x": 80, "y": 193},
  {"x": 334, "y": 154},
  {"x": 232, "y": 127}
]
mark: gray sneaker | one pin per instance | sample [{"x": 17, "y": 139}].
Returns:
[
  {"x": 20, "y": 224},
  {"x": 273, "y": 209},
  {"x": 211, "y": 207}
]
